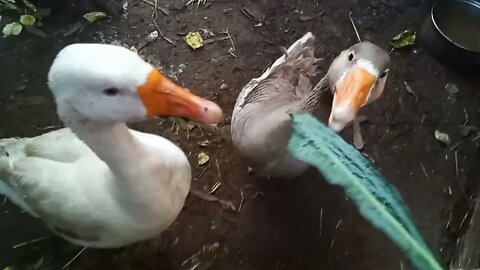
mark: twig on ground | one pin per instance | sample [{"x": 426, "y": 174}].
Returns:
[
  {"x": 321, "y": 221},
  {"x": 232, "y": 49},
  {"x": 29, "y": 242},
  {"x": 330, "y": 259},
  {"x": 456, "y": 162},
  {"x": 241, "y": 201},
  {"x": 466, "y": 248},
  {"x": 258, "y": 193},
  {"x": 463, "y": 220},
  {"x": 226, "y": 32},
  {"x": 354, "y": 26},
  {"x": 212, "y": 40},
  {"x": 202, "y": 172},
  {"x": 339, "y": 224},
  {"x": 218, "y": 169},
  {"x": 74, "y": 258},
  {"x": 466, "y": 117},
  {"x": 454, "y": 146},
  {"x": 410, "y": 91},
  {"x": 425, "y": 172},
  {"x": 199, "y": 2},
  {"x": 162, "y": 35},
  {"x": 157, "y": 7},
  {"x": 155, "y": 10},
  {"x": 211, "y": 198},
  {"x": 215, "y": 187},
  {"x": 476, "y": 137}
]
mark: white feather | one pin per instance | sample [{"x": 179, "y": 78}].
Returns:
[
  {"x": 368, "y": 66},
  {"x": 11, "y": 150}
]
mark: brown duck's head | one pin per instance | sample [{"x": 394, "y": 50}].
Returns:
[{"x": 357, "y": 77}]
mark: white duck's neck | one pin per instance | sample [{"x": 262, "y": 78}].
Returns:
[
  {"x": 114, "y": 144},
  {"x": 140, "y": 175}
]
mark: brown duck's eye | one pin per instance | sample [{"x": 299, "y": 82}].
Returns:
[
  {"x": 110, "y": 92},
  {"x": 383, "y": 74},
  {"x": 350, "y": 56}
]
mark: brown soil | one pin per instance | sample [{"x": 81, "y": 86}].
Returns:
[{"x": 300, "y": 224}]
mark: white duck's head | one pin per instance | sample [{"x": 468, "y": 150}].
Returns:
[
  {"x": 357, "y": 77},
  {"x": 107, "y": 83}
]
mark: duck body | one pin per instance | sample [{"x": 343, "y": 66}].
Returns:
[
  {"x": 261, "y": 121},
  {"x": 98, "y": 183},
  {"x": 61, "y": 179}
]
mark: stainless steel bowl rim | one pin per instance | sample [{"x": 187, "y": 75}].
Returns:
[{"x": 432, "y": 14}]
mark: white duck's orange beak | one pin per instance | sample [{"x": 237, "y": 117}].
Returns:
[
  {"x": 162, "y": 97},
  {"x": 350, "y": 95}
]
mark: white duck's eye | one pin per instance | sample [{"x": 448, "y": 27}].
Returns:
[
  {"x": 351, "y": 55},
  {"x": 384, "y": 74},
  {"x": 110, "y": 92}
]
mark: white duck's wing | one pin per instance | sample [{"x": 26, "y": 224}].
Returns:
[
  {"x": 76, "y": 194},
  {"x": 37, "y": 175},
  {"x": 51, "y": 190},
  {"x": 59, "y": 145}
]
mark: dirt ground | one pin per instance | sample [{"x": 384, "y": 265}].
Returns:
[{"x": 300, "y": 224}]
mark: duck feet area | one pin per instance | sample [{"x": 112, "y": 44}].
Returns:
[{"x": 248, "y": 222}]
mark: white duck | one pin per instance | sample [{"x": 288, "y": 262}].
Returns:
[
  {"x": 261, "y": 122},
  {"x": 98, "y": 183}
]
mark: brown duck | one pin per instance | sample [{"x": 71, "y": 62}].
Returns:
[{"x": 261, "y": 122}]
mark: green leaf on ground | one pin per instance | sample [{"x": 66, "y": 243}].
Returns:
[
  {"x": 12, "y": 29},
  {"x": 404, "y": 39},
  {"x": 95, "y": 16},
  {"x": 27, "y": 20}
]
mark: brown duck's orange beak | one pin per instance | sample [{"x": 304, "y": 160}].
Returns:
[
  {"x": 355, "y": 87},
  {"x": 350, "y": 95},
  {"x": 162, "y": 97}
]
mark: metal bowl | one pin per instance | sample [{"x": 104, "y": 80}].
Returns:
[{"x": 452, "y": 32}]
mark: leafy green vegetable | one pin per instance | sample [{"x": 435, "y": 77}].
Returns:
[
  {"x": 12, "y": 29},
  {"x": 94, "y": 16},
  {"x": 27, "y": 20},
  {"x": 404, "y": 39},
  {"x": 379, "y": 202}
]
